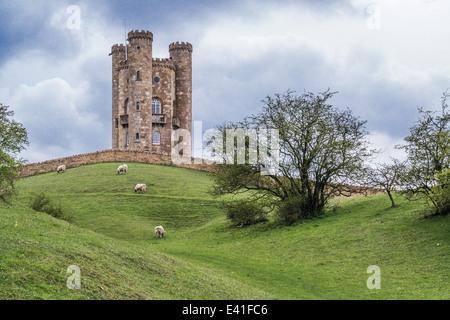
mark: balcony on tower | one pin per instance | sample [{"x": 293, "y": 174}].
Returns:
[
  {"x": 124, "y": 119},
  {"x": 158, "y": 118},
  {"x": 176, "y": 122}
]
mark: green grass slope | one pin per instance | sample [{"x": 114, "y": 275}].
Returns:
[
  {"x": 111, "y": 239},
  {"x": 36, "y": 251}
]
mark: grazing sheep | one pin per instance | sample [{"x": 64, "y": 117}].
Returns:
[
  {"x": 123, "y": 168},
  {"x": 140, "y": 188},
  {"x": 61, "y": 168},
  {"x": 159, "y": 232}
]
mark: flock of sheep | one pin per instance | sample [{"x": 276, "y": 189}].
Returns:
[{"x": 141, "y": 188}]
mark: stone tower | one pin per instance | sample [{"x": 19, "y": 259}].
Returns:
[{"x": 151, "y": 97}]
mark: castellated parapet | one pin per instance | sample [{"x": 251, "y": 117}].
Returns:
[
  {"x": 151, "y": 97},
  {"x": 180, "y": 46},
  {"x": 136, "y": 34}
]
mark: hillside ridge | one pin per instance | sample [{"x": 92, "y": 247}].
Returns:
[{"x": 109, "y": 155}]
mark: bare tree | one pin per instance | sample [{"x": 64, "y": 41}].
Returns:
[{"x": 386, "y": 176}]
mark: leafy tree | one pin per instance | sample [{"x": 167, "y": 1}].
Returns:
[
  {"x": 322, "y": 152},
  {"x": 428, "y": 151},
  {"x": 13, "y": 139}
]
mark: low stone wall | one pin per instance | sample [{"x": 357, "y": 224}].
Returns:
[{"x": 110, "y": 155}]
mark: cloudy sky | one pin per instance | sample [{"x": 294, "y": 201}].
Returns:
[{"x": 384, "y": 57}]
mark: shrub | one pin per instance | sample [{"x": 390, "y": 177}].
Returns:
[
  {"x": 38, "y": 202},
  {"x": 42, "y": 203},
  {"x": 244, "y": 212},
  {"x": 294, "y": 209},
  {"x": 440, "y": 194},
  {"x": 56, "y": 211},
  {"x": 6, "y": 189}
]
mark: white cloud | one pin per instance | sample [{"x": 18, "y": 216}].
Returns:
[
  {"x": 52, "y": 98},
  {"x": 56, "y": 116},
  {"x": 387, "y": 147}
]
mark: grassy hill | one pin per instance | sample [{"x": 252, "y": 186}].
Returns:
[{"x": 111, "y": 239}]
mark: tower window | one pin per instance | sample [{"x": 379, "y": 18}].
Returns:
[
  {"x": 156, "y": 138},
  {"x": 138, "y": 107},
  {"x": 138, "y": 75},
  {"x": 127, "y": 106},
  {"x": 156, "y": 79},
  {"x": 127, "y": 142},
  {"x": 137, "y": 137},
  {"x": 156, "y": 106}
]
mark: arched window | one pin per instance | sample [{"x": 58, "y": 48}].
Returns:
[
  {"x": 138, "y": 107},
  {"x": 156, "y": 106},
  {"x": 137, "y": 137},
  {"x": 138, "y": 75},
  {"x": 126, "y": 107},
  {"x": 156, "y": 138}
]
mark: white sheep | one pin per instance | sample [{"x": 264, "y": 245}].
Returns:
[
  {"x": 61, "y": 168},
  {"x": 159, "y": 232},
  {"x": 140, "y": 188},
  {"x": 123, "y": 168}
]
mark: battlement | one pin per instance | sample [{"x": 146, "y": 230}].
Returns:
[
  {"x": 118, "y": 48},
  {"x": 168, "y": 60},
  {"x": 180, "y": 46},
  {"x": 136, "y": 34},
  {"x": 163, "y": 63}
]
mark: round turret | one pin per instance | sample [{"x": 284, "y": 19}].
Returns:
[
  {"x": 137, "y": 35},
  {"x": 180, "y": 46},
  {"x": 181, "y": 54},
  {"x": 118, "y": 48}
]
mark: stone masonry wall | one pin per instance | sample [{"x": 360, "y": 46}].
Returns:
[{"x": 110, "y": 155}]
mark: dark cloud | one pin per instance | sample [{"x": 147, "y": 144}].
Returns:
[{"x": 59, "y": 80}]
